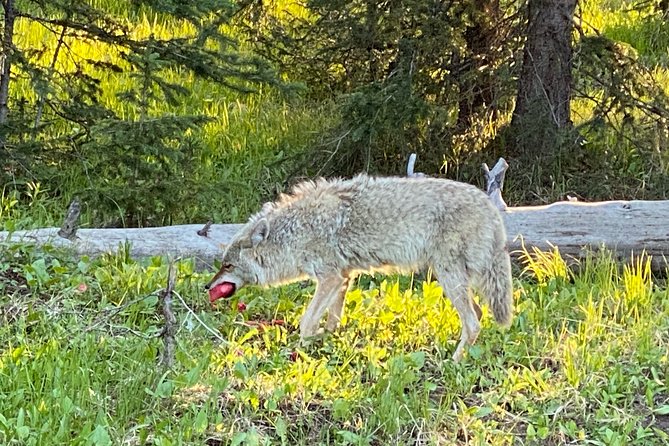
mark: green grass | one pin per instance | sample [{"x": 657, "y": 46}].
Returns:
[
  {"x": 239, "y": 160},
  {"x": 585, "y": 362},
  {"x": 643, "y": 28}
]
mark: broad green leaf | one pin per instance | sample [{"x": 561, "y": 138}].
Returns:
[{"x": 99, "y": 436}]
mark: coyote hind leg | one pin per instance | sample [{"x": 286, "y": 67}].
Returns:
[{"x": 456, "y": 287}]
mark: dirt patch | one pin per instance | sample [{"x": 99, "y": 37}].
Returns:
[
  {"x": 12, "y": 281},
  {"x": 15, "y": 288},
  {"x": 660, "y": 422},
  {"x": 649, "y": 418}
]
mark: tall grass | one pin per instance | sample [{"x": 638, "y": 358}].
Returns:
[
  {"x": 585, "y": 361},
  {"x": 243, "y": 154}
]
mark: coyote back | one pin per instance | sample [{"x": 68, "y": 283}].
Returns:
[{"x": 331, "y": 230}]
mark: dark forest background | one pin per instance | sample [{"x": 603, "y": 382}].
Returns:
[{"x": 164, "y": 111}]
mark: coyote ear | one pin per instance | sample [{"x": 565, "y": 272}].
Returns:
[{"x": 259, "y": 232}]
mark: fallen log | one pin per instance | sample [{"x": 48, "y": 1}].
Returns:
[
  {"x": 624, "y": 227},
  {"x": 174, "y": 241}
]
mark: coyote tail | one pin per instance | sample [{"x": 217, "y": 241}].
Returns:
[{"x": 497, "y": 286}]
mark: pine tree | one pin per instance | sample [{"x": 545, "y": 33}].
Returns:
[
  {"x": 52, "y": 110},
  {"x": 410, "y": 75}
]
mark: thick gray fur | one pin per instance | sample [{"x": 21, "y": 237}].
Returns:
[{"x": 331, "y": 230}]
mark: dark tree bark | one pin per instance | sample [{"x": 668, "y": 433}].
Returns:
[
  {"x": 372, "y": 18},
  {"x": 544, "y": 89},
  {"x": 6, "y": 58},
  {"x": 663, "y": 6}
]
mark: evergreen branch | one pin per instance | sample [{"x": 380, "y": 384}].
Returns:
[
  {"x": 40, "y": 101},
  {"x": 114, "y": 35}
]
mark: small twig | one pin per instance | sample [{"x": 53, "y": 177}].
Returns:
[
  {"x": 69, "y": 228},
  {"x": 114, "y": 311},
  {"x": 263, "y": 324},
  {"x": 204, "y": 232},
  {"x": 216, "y": 334},
  {"x": 338, "y": 140},
  {"x": 167, "y": 357}
]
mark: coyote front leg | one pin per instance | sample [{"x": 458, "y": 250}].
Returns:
[
  {"x": 337, "y": 308},
  {"x": 327, "y": 289}
]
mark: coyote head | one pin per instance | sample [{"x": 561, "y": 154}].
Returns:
[{"x": 241, "y": 264}]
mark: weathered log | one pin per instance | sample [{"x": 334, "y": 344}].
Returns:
[
  {"x": 576, "y": 228},
  {"x": 175, "y": 241},
  {"x": 626, "y": 227}
]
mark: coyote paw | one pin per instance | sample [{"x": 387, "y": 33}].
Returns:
[
  {"x": 332, "y": 325},
  {"x": 306, "y": 341}
]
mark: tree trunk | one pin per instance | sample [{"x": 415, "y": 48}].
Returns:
[
  {"x": 544, "y": 89},
  {"x": 372, "y": 57},
  {"x": 6, "y": 58}
]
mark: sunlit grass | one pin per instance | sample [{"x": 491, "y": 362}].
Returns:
[
  {"x": 584, "y": 361},
  {"x": 243, "y": 154},
  {"x": 641, "y": 26}
]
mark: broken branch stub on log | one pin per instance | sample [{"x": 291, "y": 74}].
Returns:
[
  {"x": 494, "y": 180},
  {"x": 410, "y": 166},
  {"x": 69, "y": 228}
]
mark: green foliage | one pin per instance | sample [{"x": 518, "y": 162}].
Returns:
[
  {"x": 410, "y": 76},
  {"x": 111, "y": 111},
  {"x": 143, "y": 167},
  {"x": 619, "y": 108},
  {"x": 159, "y": 127},
  {"x": 439, "y": 80},
  {"x": 623, "y": 116},
  {"x": 585, "y": 360},
  {"x": 381, "y": 123}
]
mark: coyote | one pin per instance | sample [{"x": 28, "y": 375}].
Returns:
[{"x": 331, "y": 230}]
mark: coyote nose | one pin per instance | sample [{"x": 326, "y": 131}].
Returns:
[{"x": 207, "y": 286}]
